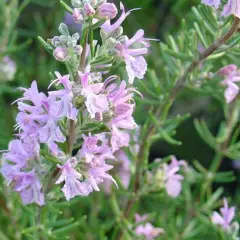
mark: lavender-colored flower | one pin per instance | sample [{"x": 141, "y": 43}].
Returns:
[
  {"x": 61, "y": 54},
  {"x": 109, "y": 28},
  {"x": 73, "y": 186},
  {"x": 121, "y": 98},
  {"x": 148, "y": 231},
  {"x": 119, "y": 139},
  {"x": 232, "y": 8},
  {"x": 139, "y": 218},
  {"x": 63, "y": 106},
  {"x": 121, "y": 169},
  {"x": 136, "y": 65},
  {"x": 95, "y": 147},
  {"x": 107, "y": 10},
  {"x": 40, "y": 119},
  {"x": 213, "y": 3},
  {"x": 98, "y": 173},
  {"x": 227, "y": 70},
  {"x": 78, "y": 15},
  {"x": 88, "y": 9},
  {"x": 232, "y": 75},
  {"x": 173, "y": 182},
  {"x": 225, "y": 218},
  {"x": 29, "y": 187},
  {"x": 96, "y": 102},
  {"x": 17, "y": 153},
  {"x": 231, "y": 92},
  {"x": 74, "y": 21}
]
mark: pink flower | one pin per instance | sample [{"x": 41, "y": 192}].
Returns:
[
  {"x": 95, "y": 146},
  {"x": 214, "y": 3},
  {"x": 136, "y": 68},
  {"x": 225, "y": 219},
  {"x": 97, "y": 174},
  {"x": 73, "y": 186},
  {"x": 232, "y": 8},
  {"x": 60, "y": 54},
  {"x": 108, "y": 10},
  {"x": 173, "y": 182},
  {"x": 148, "y": 231},
  {"x": 136, "y": 65},
  {"x": 108, "y": 27},
  {"x": 119, "y": 139},
  {"x": 121, "y": 98},
  {"x": 62, "y": 99},
  {"x": 29, "y": 187},
  {"x": 96, "y": 102},
  {"x": 39, "y": 117},
  {"x": 231, "y": 92},
  {"x": 139, "y": 218},
  {"x": 227, "y": 70},
  {"x": 78, "y": 16},
  {"x": 88, "y": 9},
  {"x": 232, "y": 75},
  {"x": 19, "y": 152},
  {"x": 121, "y": 169}
]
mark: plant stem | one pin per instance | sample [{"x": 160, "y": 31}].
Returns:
[
  {"x": 71, "y": 135},
  {"x": 216, "y": 163},
  {"x": 71, "y": 123},
  {"x": 165, "y": 108}
]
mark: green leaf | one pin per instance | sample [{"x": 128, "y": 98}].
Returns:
[{"x": 68, "y": 8}]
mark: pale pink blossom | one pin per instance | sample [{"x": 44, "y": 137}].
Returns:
[
  {"x": 173, "y": 182},
  {"x": 108, "y": 27},
  {"x": 226, "y": 217},
  {"x": 232, "y": 8},
  {"x": 232, "y": 76},
  {"x": 108, "y": 10},
  {"x": 96, "y": 102},
  {"x": 213, "y": 3},
  {"x": 72, "y": 185},
  {"x": 148, "y": 231}
]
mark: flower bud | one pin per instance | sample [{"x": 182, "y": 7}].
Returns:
[
  {"x": 78, "y": 102},
  {"x": 60, "y": 54},
  {"x": 227, "y": 70},
  {"x": 77, "y": 15},
  {"x": 108, "y": 10},
  {"x": 107, "y": 116},
  {"x": 94, "y": 2},
  {"x": 98, "y": 117},
  {"x": 88, "y": 9}
]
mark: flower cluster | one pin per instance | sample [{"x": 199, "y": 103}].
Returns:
[
  {"x": 231, "y": 8},
  {"x": 46, "y": 122}
]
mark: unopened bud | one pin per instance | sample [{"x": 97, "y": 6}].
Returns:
[
  {"x": 94, "y": 2},
  {"x": 77, "y": 15},
  {"x": 107, "y": 116},
  {"x": 78, "y": 102},
  {"x": 98, "y": 117},
  {"x": 88, "y": 9},
  {"x": 227, "y": 70},
  {"x": 108, "y": 10},
  {"x": 60, "y": 54}
]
